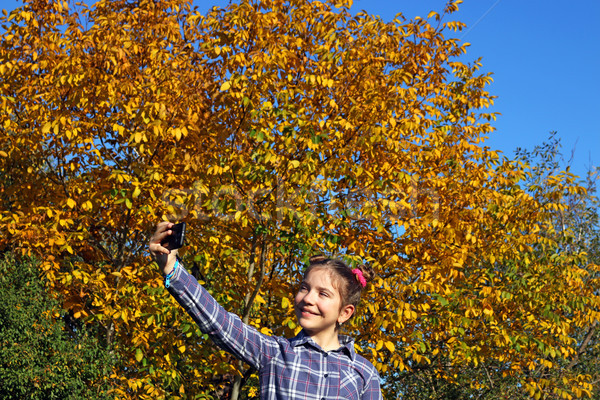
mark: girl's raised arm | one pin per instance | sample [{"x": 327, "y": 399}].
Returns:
[{"x": 226, "y": 329}]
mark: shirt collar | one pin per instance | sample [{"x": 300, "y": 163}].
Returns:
[{"x": 346, "y": 342}]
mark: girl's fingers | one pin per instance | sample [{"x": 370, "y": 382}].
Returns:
[{"x": 163, "y": 230}]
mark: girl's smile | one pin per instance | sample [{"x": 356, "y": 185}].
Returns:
[{"x": 307, "y": 313}]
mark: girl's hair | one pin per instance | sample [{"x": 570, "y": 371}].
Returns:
[{"x": 347, "y": 280}]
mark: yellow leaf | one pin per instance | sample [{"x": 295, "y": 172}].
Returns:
[
  {"x": 390, "y": 346},
  {"x": 266, "y": 331},
  {"x": 71, "y": 203},
  {"x": 225, "y": 86},
  {"x": 118, "y": 128},
  {"x": 46, "y": 128},
  {"x": 136, "y": 192},
  {"x": 177, "y": 133},
  {"x": 87, "y": 205},
  {"x": 259, "y": 299}
]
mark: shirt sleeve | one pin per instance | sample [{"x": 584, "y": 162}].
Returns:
[
  {"x": 372, "y": 389},
  {"x": 226, "y": 329}
]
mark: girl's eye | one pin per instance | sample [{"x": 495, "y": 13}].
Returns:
[{"x": 325, "y": 294}]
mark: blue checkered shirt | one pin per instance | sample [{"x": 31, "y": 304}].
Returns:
[{"x": 288, "y": 369}]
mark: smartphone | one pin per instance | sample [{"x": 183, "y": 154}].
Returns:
[{"x": 176, "y": 238}]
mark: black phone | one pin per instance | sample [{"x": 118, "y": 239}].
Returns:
[{"x": 176, "y": 238}]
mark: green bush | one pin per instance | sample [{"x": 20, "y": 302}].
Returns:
[{"x": 41, "y": 356}]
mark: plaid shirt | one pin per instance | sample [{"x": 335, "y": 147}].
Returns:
[{"x": 288, "y": 369}]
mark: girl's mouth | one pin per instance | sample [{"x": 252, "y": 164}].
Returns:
[{"x": 307, "y": 313}]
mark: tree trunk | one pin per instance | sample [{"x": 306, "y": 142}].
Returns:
[{"x": 248, "y": 301}]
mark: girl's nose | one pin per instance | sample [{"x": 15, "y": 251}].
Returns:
[{"x": 309, "y": 297}]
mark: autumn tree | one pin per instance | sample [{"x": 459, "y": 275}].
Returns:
[
  {"x": 277, "y": 129},
  {"x": 572, "y": 210}
]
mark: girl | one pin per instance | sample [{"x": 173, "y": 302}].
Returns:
[{"x": 318, "y": 363}]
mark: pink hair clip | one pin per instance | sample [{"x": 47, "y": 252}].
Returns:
[{"x": 360, "y": 277}]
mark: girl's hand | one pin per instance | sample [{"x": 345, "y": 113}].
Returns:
[{"x": 164, "y": 257}]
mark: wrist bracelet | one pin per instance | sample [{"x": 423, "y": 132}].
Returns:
[{"x": 170, "y": 274}]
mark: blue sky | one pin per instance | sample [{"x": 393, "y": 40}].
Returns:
[{"x": 545, "y": 60}]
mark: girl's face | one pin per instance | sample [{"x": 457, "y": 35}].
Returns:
[{"x": 318, "y": 304}]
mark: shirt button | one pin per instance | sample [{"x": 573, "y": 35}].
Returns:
[
  {"x": 326, "y": 375},
  {"x": 325, "y": 355}
]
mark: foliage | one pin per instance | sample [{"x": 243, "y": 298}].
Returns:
[
  {"x": 39, "y": 357},
  {"x": 277, "y": 129},
  {"x": 575, "y": 229},
  {"x": 575, "y": 232}
]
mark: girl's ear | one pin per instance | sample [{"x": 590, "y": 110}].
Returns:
[{"x": 345, "y": 314}]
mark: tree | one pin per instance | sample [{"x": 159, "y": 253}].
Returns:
[
  {"x": 40, "y": 357},
  {"x": 573, "y": 212},
  {"x": 276, "y": 129}
]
